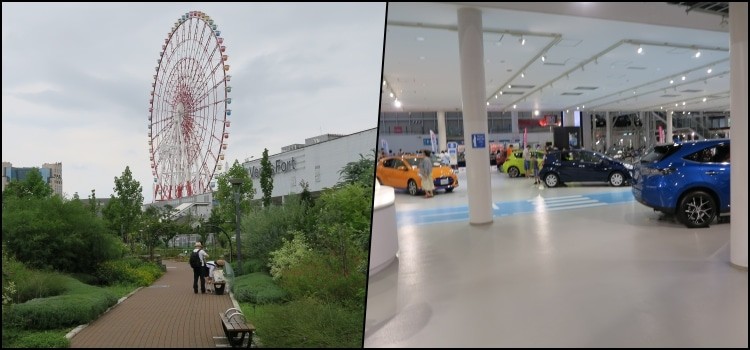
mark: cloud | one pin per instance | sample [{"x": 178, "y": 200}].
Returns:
[{"x": 77, "y": 78}]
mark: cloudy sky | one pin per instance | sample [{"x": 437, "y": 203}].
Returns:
[{"x": 77, "y": 79}]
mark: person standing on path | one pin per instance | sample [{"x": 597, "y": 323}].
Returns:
[{"x": 200, "y": 272}]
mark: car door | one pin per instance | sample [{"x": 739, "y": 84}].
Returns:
[
  {"x": 570, "y": 166},
  {"x": 390, "y": 173},
  {"x": 593, "y": 167}
]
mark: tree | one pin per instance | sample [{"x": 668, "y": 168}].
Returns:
[
  {"x": 361, "y": 171},
  {"x": 33, "y": 186},
  {"x": 157, "y": 227},
  {"x": 123, "y": 211},
  {"x": 225, "y": 192},
  {"x": 94, "y": 206},
  {"x": 61, "y": 235},
  {"x": 266, "y": 178}
]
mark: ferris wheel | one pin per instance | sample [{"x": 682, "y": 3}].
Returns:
[{"x": 188, "y": 108}]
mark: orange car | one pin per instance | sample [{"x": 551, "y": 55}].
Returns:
[{"x": 403, "y": 173}]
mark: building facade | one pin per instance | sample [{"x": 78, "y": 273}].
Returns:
[
  {"x": 318, "y": 162},
  {"x": 51, "y": 174}
]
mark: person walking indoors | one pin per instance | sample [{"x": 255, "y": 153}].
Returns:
[{"x": 425, "y": 172}]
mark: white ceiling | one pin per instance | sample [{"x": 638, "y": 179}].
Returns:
[{"x": 591, "y": 57}]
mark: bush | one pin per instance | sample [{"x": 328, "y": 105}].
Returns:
[
  {"x": 81, "y": 303},
  {"x": 310, "y": 323},
  {"x": 316, "y": 275},
  {"x": 128, "y": 271},
  {"x": 37, "y": 284},
  {"x": 35, "y": 340},
  {"x": 257, "y": 288}
]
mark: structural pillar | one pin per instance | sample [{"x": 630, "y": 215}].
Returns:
[
  {"x": 586, "y": 130},
  {"x": 608, "y": 125},
  {"x": 442, "y": 133},
  {"x": 738, "y": 114},
  {"x": 514, "y": 126},
  {"x": 669, "y": 138},
  {"x": 471, "y": 54}
]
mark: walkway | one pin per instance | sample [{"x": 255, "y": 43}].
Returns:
[{"x": 165, "y": 315}]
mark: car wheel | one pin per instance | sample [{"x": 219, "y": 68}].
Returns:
[
  {"x": 449, "y": 189},
  {"x": 513, "y": 172},
  {"x": 412, "y": 187},
  {"x": 616, "y": 179},
  {"x": 551, "y": 180},
  {"x": 697, "y": 209}
]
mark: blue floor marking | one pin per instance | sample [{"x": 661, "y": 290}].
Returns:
[{"x": 461, "y": 213}]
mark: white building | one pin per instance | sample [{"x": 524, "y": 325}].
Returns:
[{"x": 318, "y": 162}]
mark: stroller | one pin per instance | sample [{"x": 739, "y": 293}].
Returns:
[{"x": 216, "y": 280}]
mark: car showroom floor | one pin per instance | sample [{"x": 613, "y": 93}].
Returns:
[{"x": 578, "y": 266}]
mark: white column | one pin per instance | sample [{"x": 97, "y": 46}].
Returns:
[
  {"x": 586, "y": 131},
  {"x": 514, "y": 126},
  {"x": 568, "y": 119},
  {"x": 738, "y": 112},
  {"x": 471, "y": 53},
  {"x": 608, "y": 125},
  {"x": 669, "y": 131},
  {"x": 442, "y": 133}
]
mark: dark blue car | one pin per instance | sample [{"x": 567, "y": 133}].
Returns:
[
  {"x": 583, "y": 166},
  {"x": 690, "y": 180}
]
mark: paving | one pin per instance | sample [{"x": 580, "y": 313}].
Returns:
[{"x": 166, "y": 314}]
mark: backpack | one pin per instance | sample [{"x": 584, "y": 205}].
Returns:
[{"x": 195, "y": 259}]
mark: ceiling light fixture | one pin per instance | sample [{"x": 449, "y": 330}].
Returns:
[
  {"x": 683, "y": 103},
  {"x": 509, "y": 86},
  {"x": 683, "y": 78},
  {"x": 697, "y": 53},
  {"x": 536, "y": 112},
  {"x": 397, "y": 103},
  {"x": 522, "y": 40},
  {"x": 391, "y": 95},
  {"x": 671, "y": 81},
  {"x": 384, "y": 84},
  {"x": 523, "y": 75},
  {"x": 501, "y": 92},
  {"x": 709, "y": 70},
  {"x": 544, "y": 58},
  {"x": 488, "y": 103},
  {"x": 640, "y": 50},
  {"x": 495, "y": 95},
  {"x": 514, "y": 106},
  {"x": 705, "y": 99}
]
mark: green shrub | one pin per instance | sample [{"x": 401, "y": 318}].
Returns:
[
  {"x": 128, "y": 271},
  {"x": 81, "y": 303},
  {"x": 38, "y": 284},
  {"x": 316, "y": 275},
  {"x": 258, "y": 288},
  {"x": 35, "y": 339},
  {"x": 309, "y": 323}
]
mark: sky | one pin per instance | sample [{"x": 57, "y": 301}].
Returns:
[{"x": 76, "y": 80}]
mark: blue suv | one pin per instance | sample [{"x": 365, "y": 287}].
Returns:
[{"x": 690, "y": 180}]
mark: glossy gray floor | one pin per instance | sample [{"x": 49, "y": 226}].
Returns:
[{"x": 615, "y": 275}]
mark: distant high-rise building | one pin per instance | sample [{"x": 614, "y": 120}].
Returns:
[{"x": 51, "y": 174}]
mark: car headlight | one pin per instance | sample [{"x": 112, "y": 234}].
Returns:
[{"x": 628, "y": 166}]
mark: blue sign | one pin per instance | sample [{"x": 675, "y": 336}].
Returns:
[
  {"x": 477, "y": 141},
  {"x": 452, "y": 145},
  {"x": 426, "y": 142}
]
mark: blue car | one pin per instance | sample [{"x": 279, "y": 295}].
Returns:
[
  {"x": 690, "y": 180},
  {"x": 583, "y": 166}
]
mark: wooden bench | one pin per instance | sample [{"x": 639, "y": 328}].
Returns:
[{"x": 236, "y": 327}]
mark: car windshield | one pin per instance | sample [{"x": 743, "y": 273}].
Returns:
[
  {"x": 413, "y": 161},
  {"x": 659, "y": 152}
]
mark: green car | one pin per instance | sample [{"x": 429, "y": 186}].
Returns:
[{"x": 513, "y": 165}]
